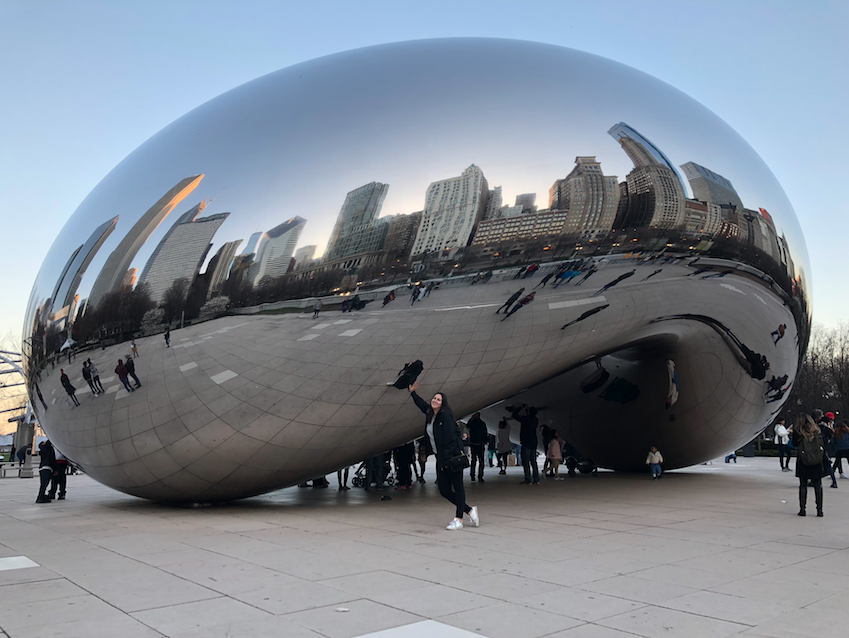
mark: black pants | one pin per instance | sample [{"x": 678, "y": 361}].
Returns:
[
  {"x": 502, "y": 459},
  {"x": 91, "y": 386},
  {"x": 451, "y": 488},
  {"x": 59, "y": 481},
  {"x": 477, "y": 457},
  {"x": 506, "y": 307},
  {"x": 45, "y": 474},
  {"x": 783, "y": 453},
  {"x": 838, "y": 459},
  {"x": 803, "y": 492}
]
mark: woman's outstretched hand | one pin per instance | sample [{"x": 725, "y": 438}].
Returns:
[{"x": 413, "y": 387}]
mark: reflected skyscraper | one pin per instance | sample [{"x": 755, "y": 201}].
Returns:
[
  {"x": 219, "y": 267},
  {"x": 181, "y": 253},
  {"x": 493, "y": 203},
  {"x": 66, "y": 287},
  {"x": 710, "y": 187},
  {"x": 304, "y": 255},
  {"x": 528, "y": 202},
  {"x": 356, "y": 229},
  {"x": 253, "y": 243},
  {"x": 275, "y": 250},
  {"x": 112, "y": 274},
  {"x": 590, "y": 197},
  {"x": 655, "y": 192},
  {"x": 453, "y": 207}
]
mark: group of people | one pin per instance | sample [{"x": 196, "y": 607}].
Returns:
[{"x": 52, "y": 473}]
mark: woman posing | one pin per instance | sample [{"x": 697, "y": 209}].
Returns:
[
  {"x": 445, "y": 436},
  {"x": 810, "y": 460}
]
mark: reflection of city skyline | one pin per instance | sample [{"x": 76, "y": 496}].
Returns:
[{"x": 460, "y": 213}]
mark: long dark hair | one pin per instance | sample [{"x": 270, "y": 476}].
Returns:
[
  {"x": 445, "y": 407},
  {"x": 841, "y": 430}
]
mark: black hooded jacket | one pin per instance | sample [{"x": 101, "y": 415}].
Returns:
[{"x": 446, "y": 434}]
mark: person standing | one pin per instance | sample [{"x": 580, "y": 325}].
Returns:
[
  {"x": 442, "y": 430},
  {"x": 778, "y": 333},
  {"x": 825, "y": 424},
  {"x": 343, "y": 479},
  {"x": 840, "y": 440},
  {"x": 477, "y": 442},
  {"x": 70, "y": 389},
  {"x": 528, "y": 438},
  {"x": 131, "y": 370},
  {"x": 121, "y": 371},
  {"x": 521, "y": 304},
  {"x": 316, "y": 308},
  {"x": 554, "y": 454},
  {"x": 95, "y": 375},
  {"x": 490, "y": 449},
  {"x": 60, "y": 476},
  {"x": 134, "y": 348},
  {"x": 515, "y": 296},
  {"x": 782, "y": 438},
  {"x": 619, "y": 279},
  {"x": 404, "y": 459},
  {"x": 168, "y": 337},
  {"x": 87, "y": 377},
  {"x": 544, "y": 280},
  {"x": 653, "y": 460},
  {"x": 810, "y": 454},
  {"x": 46, "y": 469}
]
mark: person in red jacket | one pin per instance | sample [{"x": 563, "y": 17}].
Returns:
[{"x": 121, "y": 371}]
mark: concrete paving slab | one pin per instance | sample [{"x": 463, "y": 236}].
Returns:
[{"x": 713, "y": 550}]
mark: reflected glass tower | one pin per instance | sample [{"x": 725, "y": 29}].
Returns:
[
  {"x": 356, "y": 229},
  {"x": 181, "y": 253},
  {"x": 112, "y": 274},
  {"x": 710, "y": 187},
  {"x": 590, "y": 197},
  {"x": 219, "y": 267},
  {"x": 275, "y": 250},
  {"x": 66, "y": 287}
]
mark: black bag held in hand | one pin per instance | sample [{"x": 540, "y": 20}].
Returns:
[{"x": 458, "y": 463}]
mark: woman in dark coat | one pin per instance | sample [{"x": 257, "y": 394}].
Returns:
[
  {"x": 805, "y": 429},
  {"x": 442, "y": 430}
]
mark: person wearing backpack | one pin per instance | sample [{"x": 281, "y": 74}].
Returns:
[{"x": 810, "y": 458}]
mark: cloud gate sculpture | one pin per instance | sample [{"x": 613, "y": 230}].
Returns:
[{"x": 671, "y": 307}]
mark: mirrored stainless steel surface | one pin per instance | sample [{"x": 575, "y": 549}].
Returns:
[{"x": 672, "y": 296}]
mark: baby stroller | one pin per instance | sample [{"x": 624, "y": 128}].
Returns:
[
  {"x": 359, "y": 478},
  {"x": 577, "y": 464}
]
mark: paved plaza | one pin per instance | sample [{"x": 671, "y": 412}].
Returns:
[{"x": 715, "y": 550}]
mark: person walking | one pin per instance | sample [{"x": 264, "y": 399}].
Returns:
[
  {"x": 840, "y": 440},
  {"x": 513, "y": 298},
  {"x": 131, "y": 370},
  {"x": 619, "y": 279},
  {"x": 521, "y": 304},
  {"x": 653, "y": 460},
  {"x": 592, "y": 270},
  {"x": 168, "y": 337},
  {"x": 87, "y": 377},
  {"x": 782, "y": 438},
  {"x": 477, "y": 442},
  {"x": 544, "y": 280},
  {"x": 121, "y": 371},
  {"x": 778, "y": 333},
  {"x": 316, "y": 308},
  {"x": 442, "y": 430},
  {"x": 46, "y": 470},
  {"x": 809, "y": 461},
  {"x": 70, "y": 389},
  {"x": 95, "y": 375},
  {"x": 554, "y": 454}
]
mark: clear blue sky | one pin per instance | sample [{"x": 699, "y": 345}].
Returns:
[{"x": 84, "y": 83}]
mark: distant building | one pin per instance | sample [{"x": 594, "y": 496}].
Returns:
[
  {"x": 304, "y": 256},
  {"x": 493, "y": 203},
  {"x": 591, "y": 198},
  {"x": 710, "y": 187},
  {"x": 655, "y": 191},
  {"x": 545, "y": 223},
  {"x": 275, "y": 250},
  {"x": 528, "y": 202},
  {"x": 112, "y": 274},
  {"x": 218, "y": 268},
  {"x": 130, "y": 278},
  {"x": 702, "y": 218},
  {"x": 453, "y": 207},
  {"x": 357, "y": 227},
  {"x": 181, "y": 253},
  {"x": 253, "y": 242},
  {"x": 402, "y": 234}
]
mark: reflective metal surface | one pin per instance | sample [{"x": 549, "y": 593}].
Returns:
[{"x": 335, "y": 180}]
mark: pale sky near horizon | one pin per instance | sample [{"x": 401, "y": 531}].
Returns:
[{"x": 85, "y": 83}]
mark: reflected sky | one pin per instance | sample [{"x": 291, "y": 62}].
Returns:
[{"x": 295, "y": 142}]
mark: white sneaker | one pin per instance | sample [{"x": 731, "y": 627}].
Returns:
[
  {"x": 473, "y": 516},
  {"x": 455, "y": 524}
]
